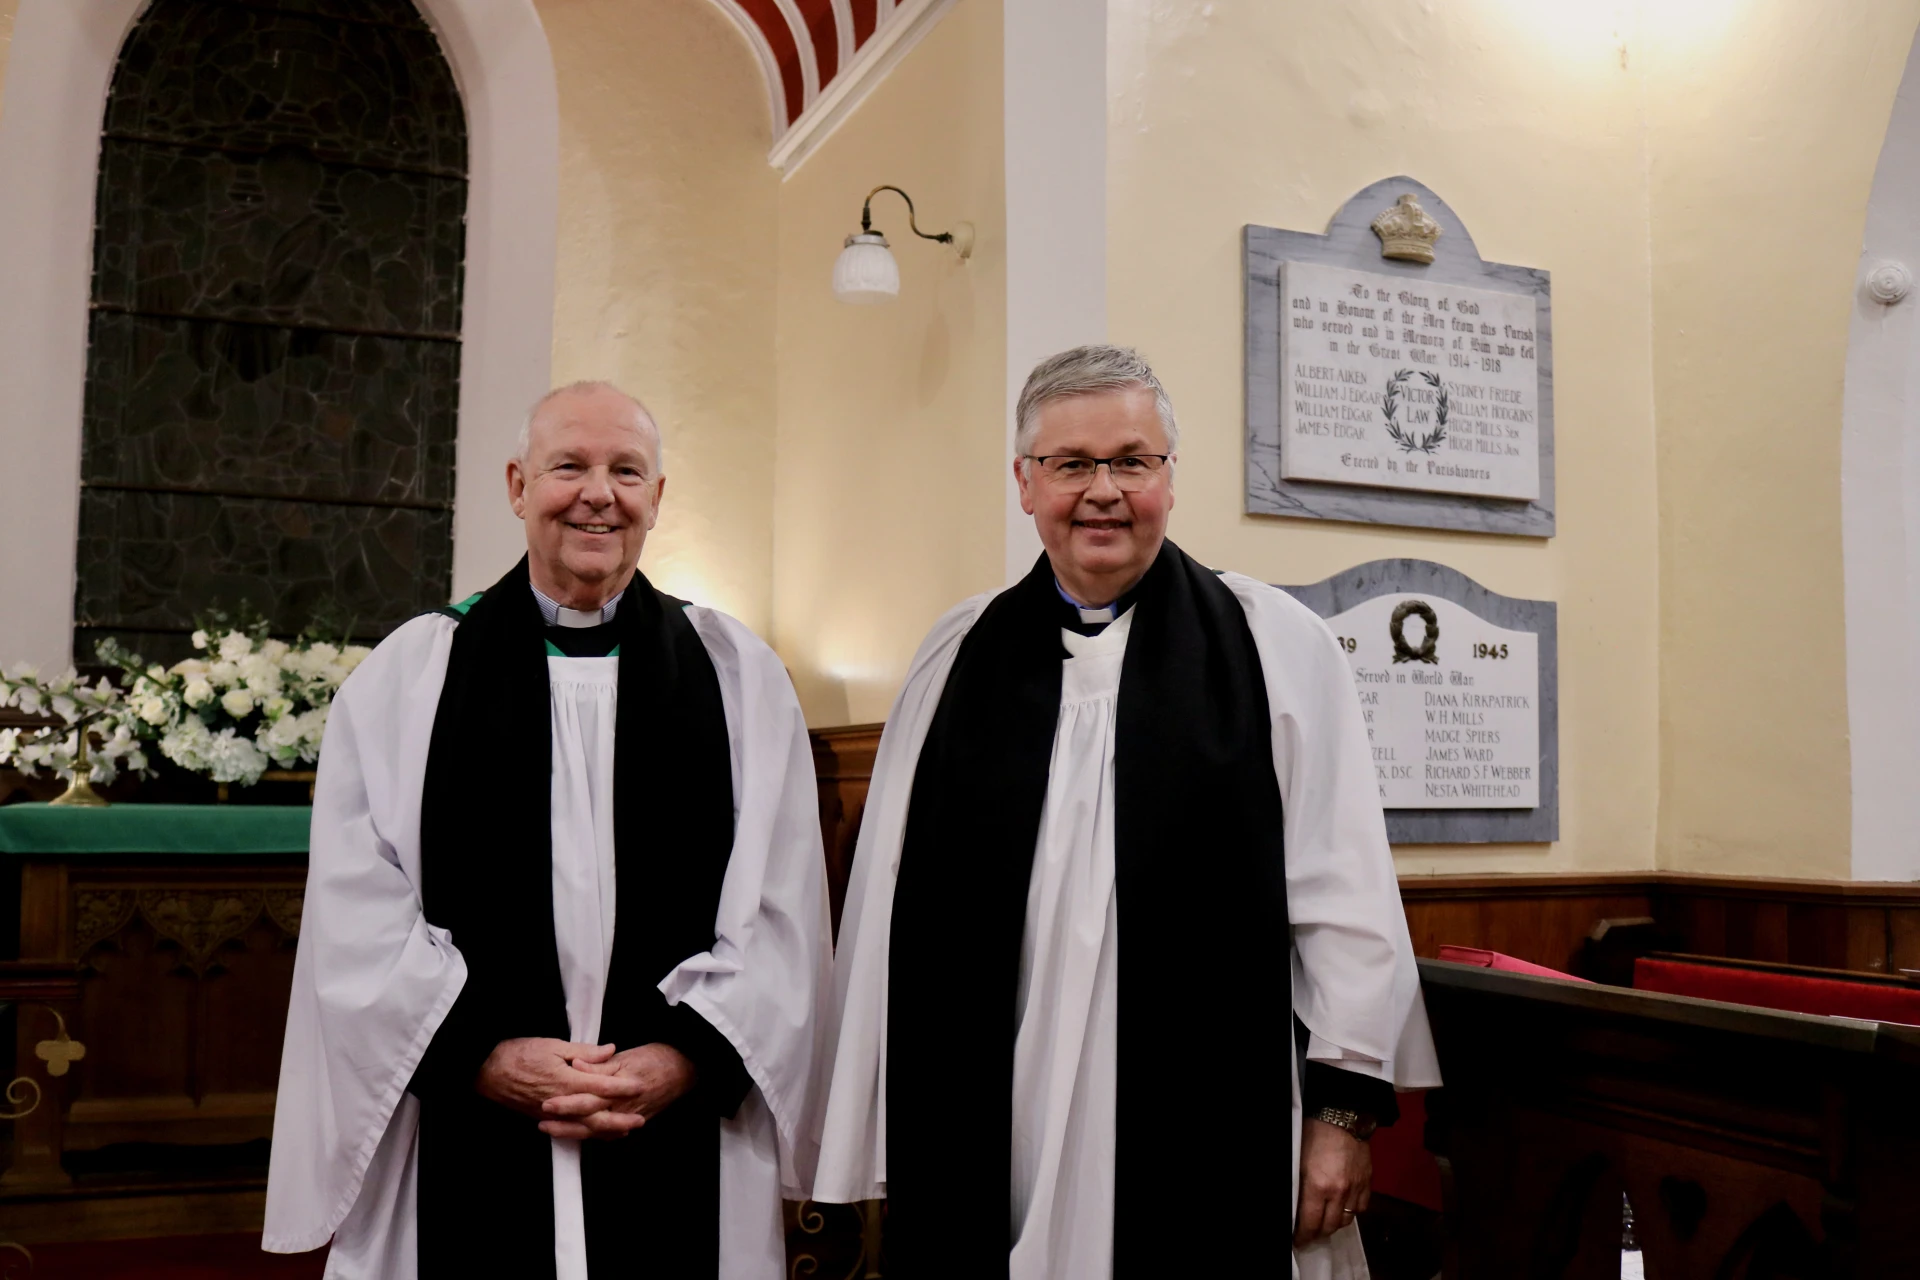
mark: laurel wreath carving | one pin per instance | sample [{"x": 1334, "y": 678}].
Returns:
[
  {"x": 1396, "y": 631},
  {"x": 1408, "y": 440}
]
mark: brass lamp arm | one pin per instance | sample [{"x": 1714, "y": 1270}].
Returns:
[
  {"x": 866, "y": 215},
  {"x": 961, "y": 237}
]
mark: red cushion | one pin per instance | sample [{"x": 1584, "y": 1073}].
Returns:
[
  {"x": 1833, "y": 997},
  {"x": 1508, "y": 964},
  {"x": 1402, "y": 1165}
]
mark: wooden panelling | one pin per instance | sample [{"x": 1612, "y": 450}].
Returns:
[
  {"x": 134, "y": 1212},
  {"x": 1831, "y": 924},
  {"x": 843, "y": 763},
  {"x": 181, "y": 970},
  {"x": 1903, "y": 940},
  {"x": 1544, "y": 922},
  {"x": 1546, "y": 919}
]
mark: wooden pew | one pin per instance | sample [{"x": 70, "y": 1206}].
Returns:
[{"x": 1749, "y": 1141}]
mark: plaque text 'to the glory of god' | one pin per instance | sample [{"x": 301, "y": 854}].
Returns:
[{"x": 1405, "y": 385}]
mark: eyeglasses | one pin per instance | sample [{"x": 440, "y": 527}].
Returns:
[{"x": 1072, "y": 471}]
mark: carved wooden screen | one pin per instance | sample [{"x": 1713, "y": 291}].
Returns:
[{"x": 274, "y": 358}]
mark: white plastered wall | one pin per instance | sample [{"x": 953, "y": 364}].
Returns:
[
  {"x": 1056, "y": 158},
  {"x": 1880, "y": 515},
  {"x": 58, "y": 71}
]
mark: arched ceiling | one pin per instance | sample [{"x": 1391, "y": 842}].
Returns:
[{"x": 804, "y": 44}]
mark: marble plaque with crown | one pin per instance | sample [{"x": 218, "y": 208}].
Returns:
[{"x": 1396, "y": 377}]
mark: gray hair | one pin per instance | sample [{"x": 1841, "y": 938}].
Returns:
[
  {"x": 1085, "y": 371},
  {"x": 524, "y": 439}
]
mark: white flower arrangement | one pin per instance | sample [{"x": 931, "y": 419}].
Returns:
[
  {"x": 246, "y": 705},
  {"x": 100, "y": 712}
]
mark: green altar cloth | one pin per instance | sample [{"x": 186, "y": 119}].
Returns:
[{"x": 155, "y": 828}]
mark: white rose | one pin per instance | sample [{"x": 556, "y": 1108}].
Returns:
[
  {"x": 286, "y": 739},
  {"x": 156, "y": 673},
  {"x": 190, "y": 667},
  {"x": 274, "y": 650},
  {"x": 200, "y": 640},
  {"x": 224, "y": 674},
  {"x": 261, "y": 675},
  {"x": 198, "y": 693},
  {"x": 154, "y": 710},
  {"x": 321, "y": 655},
  {"x": 236, "y": 702},
  {"x": 235, "y": 645},
  {"x": 276, "y": 707},
  {"x": 353, "y": 655}
]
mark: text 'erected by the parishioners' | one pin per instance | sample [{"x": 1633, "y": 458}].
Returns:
[
  {"x": 1451, "y": 703},
  {"x": 1405, "y": 384}
]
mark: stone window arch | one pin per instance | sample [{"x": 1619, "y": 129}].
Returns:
[{"x": 273, "y": 363}]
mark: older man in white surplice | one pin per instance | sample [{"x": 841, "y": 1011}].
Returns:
[{"x": 565, "y": 920}]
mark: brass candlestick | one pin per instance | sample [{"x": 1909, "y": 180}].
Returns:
[{"x": 80, "y": 791}]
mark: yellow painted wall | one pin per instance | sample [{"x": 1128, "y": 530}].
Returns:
[
  {"x": 888, "y": 495},
  {"x": 1765, "y": 128},
  {"x": 667, "y": 269},
  {"x": 1274, "y": 112},
  {"x": 8, "y": 8}
]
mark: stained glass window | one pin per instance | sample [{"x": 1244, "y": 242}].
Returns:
[{"x": 274, "y": 358}]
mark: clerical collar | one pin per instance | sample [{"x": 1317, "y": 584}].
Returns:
[
  {"x": 1092, "y": 622},
  {"x": 558, "y": 615}
]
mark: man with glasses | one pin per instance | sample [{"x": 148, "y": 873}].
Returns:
[{"x": 1123, "y": 745}]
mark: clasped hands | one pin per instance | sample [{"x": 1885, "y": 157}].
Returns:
[{"x": 584, "y": 1090}]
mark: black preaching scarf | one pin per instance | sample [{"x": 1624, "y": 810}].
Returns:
[
  {"x": 486, "y": 1180},
  {"x": 1204, "y": 1175}
]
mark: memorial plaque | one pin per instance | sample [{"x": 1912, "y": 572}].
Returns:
[
  {"x": 1408, "y": 385},
  {"x": 1459, "y": 689},
  {"x": 1452, "y": 703},
  {"x": 1394, "y": 376}
]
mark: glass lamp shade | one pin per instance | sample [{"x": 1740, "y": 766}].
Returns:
[{"x": 866, "y": 271}]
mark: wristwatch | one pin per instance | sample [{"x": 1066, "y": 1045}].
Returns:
[{"x": 1359, "y": 1125}]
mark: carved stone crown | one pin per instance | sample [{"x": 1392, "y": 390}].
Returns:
[{"x": 1407, "y": 231}]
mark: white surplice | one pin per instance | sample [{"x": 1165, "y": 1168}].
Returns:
[
  {"x": 1065, "y": 1053},
  {"x": 584, "y": 694},
  {"x": 1355, "y": 986},
  {"x": 373, "y": 980}
]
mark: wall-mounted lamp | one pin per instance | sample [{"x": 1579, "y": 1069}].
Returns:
[{"x": 866, "y": 271}]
